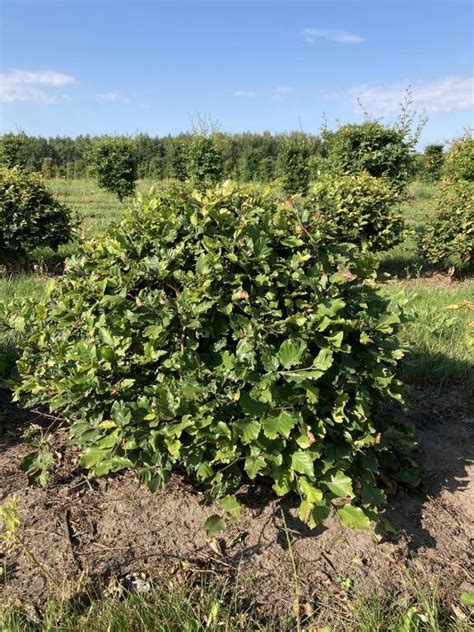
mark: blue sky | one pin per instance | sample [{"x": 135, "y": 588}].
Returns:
[{"x": 125, "y": 66}]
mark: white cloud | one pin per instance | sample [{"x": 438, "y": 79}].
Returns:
[
  {"x": 245, "y": 93},
  {"x": 112, "y": 96},
  {"x": 280, "y": 91},
  {"x": 31, "y": 85},
  {"x": 341, "y": 37},
  {"x": 451, "y": 94},
  {"x": 277, "y": 91}
]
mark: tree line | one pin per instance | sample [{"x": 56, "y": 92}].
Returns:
[{"x": 244, "y": 157}]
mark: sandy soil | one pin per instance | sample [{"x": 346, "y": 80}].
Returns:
[{"x": 85, "y": 531}]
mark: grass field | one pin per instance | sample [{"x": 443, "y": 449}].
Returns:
[{"x": 440, "y": 352}]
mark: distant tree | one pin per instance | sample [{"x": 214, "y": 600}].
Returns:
[
  {"x": 114, "y": 163},
  {"x": 205, "y": 159},
  {"x": 12, "y": 150},
  {"x": 432, "y": 162},
  {"x": 179, "y": 159},
  {"x": 294, "y": 164},
  {"x": 47, "y": 168}
]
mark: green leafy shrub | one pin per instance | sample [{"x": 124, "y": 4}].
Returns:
[
  {"x": 294, "y": 164},
  {"x": 213, "y": 330},
  {"x": 448, "y": 236},
  {"x": 114, "y": 163},
  {"x": 205, "y": 165},
  {"x": 358, "y": 209},
  {"x": 459, "y": 163},
  {"x": 30, "y": 216},
  {"x": 380, "y": 150},
  {"x": 432, "y": 162}
]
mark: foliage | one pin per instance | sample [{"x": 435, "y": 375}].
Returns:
[
  {"x": 30, "y": 216},
  {"x": 294, "y": 164},
  {"x": 205, "y": 159},
  {"x": 213, "y": 330},
  {"x": 448, "y": 236},
  {"x": 460, "y": 160},
  {"x": 380, "y": 150},
  {"x": 432, "y": 162},
  {"x": 115, "y": 165},
  {"x": 245, "y": 157},
  {"x": 358, "y": 209},
  {"x": 11, "y": 150}
]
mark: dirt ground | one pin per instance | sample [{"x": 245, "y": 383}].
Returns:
[{"x": 114, "y": 531}]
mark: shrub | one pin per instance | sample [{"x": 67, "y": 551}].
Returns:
[
  {"x": 213, "y": 331},
  {"x": 294, "y": 164},
  {"x": 432, "y": 162},
  {"x": 358, "y": 209},
  {"x": 448, "y": 237},
  {"x": 30, "y": 216},
  {"x": 205, "y": 159},
  {"x": 13, "y": 150},
  {"x": 114, "y": 162},
  {"x": 460, "y": 160},
  {"x": 372, "y": 147}
]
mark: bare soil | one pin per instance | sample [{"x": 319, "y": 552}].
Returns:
[{"x": 113, "y": 531}]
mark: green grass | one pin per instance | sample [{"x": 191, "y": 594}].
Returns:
[
  {"x": 13, "y": 289},
  {"x": 95, "y": 208},
  {"x": 440, "y": 341},
  {"x": 207, "y": 607},
  {"x": 403, "y": 260}
]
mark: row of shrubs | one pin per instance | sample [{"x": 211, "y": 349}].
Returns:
[{"x": 358, "y": 202}]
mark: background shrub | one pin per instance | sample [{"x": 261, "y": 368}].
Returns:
[
  {"x": 432, "y": 162},
  {"x": 379, "y": 150},
  {"x": 205, "y": 159},
  {"x": 358, "y": 209},
  {"x": 30, "y": 216},
  {"x": 114, "y": 163},
  {"x": 294, "y": 164},
  {"x": 213, "y": 331},
  {"x": 448, "y": 236},
  {"x": 460, "y": 160}
]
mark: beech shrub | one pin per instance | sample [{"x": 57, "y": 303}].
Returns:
[
  {"x": 358, "y": 209},
  {"x": 448, "y": 236},
  {"x": 30, "y": 216},
  {"x": 380, "y": 150},
  {"x": 217, "y": 331}
]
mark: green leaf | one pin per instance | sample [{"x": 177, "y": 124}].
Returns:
[
  {"x": 311, "y": 493},
  {"x": 336, "y": 339},
  {"x": 92, "y": 456},
  {"x": 254, "y": 465},
  {"x": 279, "y": 425},
  {"x": 323, "y": 360},
  {"x": 247, "y": 430},
  {"x": 214, "y": 524},
  {"x": 231, "y": 506},
  {"x": 290, "y": 353},
  {"x": 302, "y": 462},
  {"x": 467, "y": 599},
  {"x": 353, "y": 517},
  {"x": 340, "y": 484}
]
